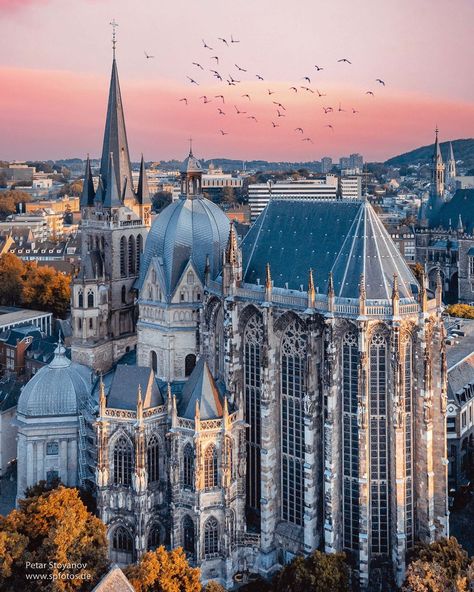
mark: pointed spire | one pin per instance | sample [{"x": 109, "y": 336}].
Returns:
[
  {"x": 207, "y": 270},
  {"x": 268, "y": 283},
  {"x": 139, "y": 404},
  {"x": 102, "y": 398},
  {"x": 460, "y": 224},
  {"x": 231, "y": 251},
  {"x": 143, "y": 193},
  {"x": 115, "y": 140},
  {"x": 450, "y": 152},
  {"x": 331, "y": 293},
  {"x": 439, "y": 288},
  {"x": 88, "y": 193},
  {"x": 423, "y": 298},
  {"x": 197, "y": 411},
  {"x": 362, "y": 295},
  {"x": 112, "y": 193},
  {"x": 395, "y": 296},
  {"x": 437, "y": 150},
  {"x": 311, "y": 289}
]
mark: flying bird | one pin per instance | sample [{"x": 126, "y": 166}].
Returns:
[
  {"x": 206, "y": 100},
  {"x": 206, "y": 46},
  {"x": 328, "y": 109},
  {"x": 252, "y": 117},
  {"x": 239, "y": 68},
  {"x": 345, "y": 60},
  {"x": 240, "y": 112},
  {"x": 198, "y": 65},
  {"x": 223, "y": 40},
  {"x": 307, "y": 78},
  {"x": 220, "y": 97},
  {"x": 248, "y": 97},
  {"x": 232, "y": 40},
  {"x": 148, "y": 56},
  {"x": 275, "y": 124},
  {"x": 220, "y": 111},
  {"x": 280, "y": 114},
  {"x": 293, "y": 88},
  {"x": 259, "y": 77},
  {"x": 329, "y": 126},
  {"x": 369, "y": 92},
  {"x": 307, "y": 89},
  {"x": 354, "y": 110},
  {"x": 224, "y": 133},
  {"x": 380, "y": 81},
  {"x": 232, "y": 79},
  {"x": 318, "y": 69},
  {"x": 341, "y": 110},
  {"x": 279, "y": 105},
  {"x": 216, "y": 74},
  {"x": 230, "y": 83},
  {"x": 299, "y": 129},
  {"x": 215, "y": 58},
  {"x": 192, "y": 81},
  {"x": 320, "y": 94},
  {"x": 184, "y": 99},
  {"x": 307, "y": 140},
  {"x": 270, "y": 92}
]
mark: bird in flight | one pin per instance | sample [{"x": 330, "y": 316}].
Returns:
[
  {"x": 192, "y": 81},
  {"x": 230, "y": 83},
  {"x": 223, "y": 40},
  {"x": 215, "y": 58},
  {"x": 354, "y": 111},
  {"x": 320, "y": 94},
  {"x": 206, "y": 46},
  {"x": 330, "y": 126},
  {"x": 293, "y": 88},
  {"x": 341, "y": 110},
  {"x": 328, "y": 109},
  {"x": 345, "y": 60},
  {"x": 248, "y": 97},
  {"x": 280, "y": 114},
  {"x": 240, "y": 112},
  {"x": 232, "y": 79},
  {"x": 232, "y": 40},
  {"x": 279, "y": 105},
  {"x": 369, "y": 92},
  {"x": 259, "y": 77},
  {"x": 206, "y": 100},
  {"x": 252, "y": 117},
  {"x": 148, "y": 56},
  {"x": 270, "y": 92},
  {"x": 307, "y": 140},
  {"x": 380, "y": 81},
  {"x": 198, "y": 65},
  {"x": 220, "y": 111},
  {"x": 216, "y": 74},
  {"x": 224, "y": 133},
  {"x": 308, "y": 89},
  {"x": 318, "y": 69},
  {"x": 299, "y": 129},
  {"x": 220, "y": 97},
  {"x": 185, "y": 100},
  {"x": 275, "y": 124},
  {"x": 307, "y": 78},
  {"x": 239, "y": 68}
]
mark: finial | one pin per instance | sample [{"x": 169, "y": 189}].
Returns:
[
  {"x": 330, "y": 284},
  {"x": 139, "y": 403},
  {"x": 268, "y": 277},
  {"x": 395, "y": 292},
  {"x": 114, "y": 25},
  {"x": 362, "y": 293},
  {"x": 102, "y": 398},
  {"x": 436, "y": 131},
  {"x": 197, "y": 412},
  {"x": 311, "y": 290},
  {"x": 190, "y": 146}
]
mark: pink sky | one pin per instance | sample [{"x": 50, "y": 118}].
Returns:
[{"x": 55, "y": 67}]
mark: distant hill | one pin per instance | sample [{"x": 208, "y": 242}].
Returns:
[{"x": 463, "y": 150}]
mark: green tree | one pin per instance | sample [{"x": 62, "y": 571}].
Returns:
[
  {"x": 319, "y": 572},
  {"x": 164, "y": 571},
  {"x": 56, "y": 527},
  {"x": 228, "y": 195},
  {"x": 74, "y": 188}
]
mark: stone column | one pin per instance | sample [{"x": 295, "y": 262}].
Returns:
[
  {"x": 40, "y": 460},
  {"x": 63, "y": 473},
  {"x": 73, "y": 462},
  {"x": 30, "y": 464}
]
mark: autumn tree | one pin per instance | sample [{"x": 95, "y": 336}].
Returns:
[
  {"x": 11, "y": 279},
  {"x": 46, "y": 289},
  {"x": 319, "y": 572},
  {"x": 213, "y": 586},
  {"x": 462, "y": 311},
  {"x": 53, "y": 529},
  {"x": 10, "y": 199},
  {"x": 164, "y": 571}
]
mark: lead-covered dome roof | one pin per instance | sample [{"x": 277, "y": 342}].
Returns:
[
  {"x": 189, "y": 229},
  {"x": 55, "y": 389}
]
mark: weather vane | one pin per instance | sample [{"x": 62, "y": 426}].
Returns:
[
  {"x": 114, "y": 25},
  {"x": 190, "y": 145}
]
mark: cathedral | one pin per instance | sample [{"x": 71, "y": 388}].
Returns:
[{"x": 248, "y": 401}]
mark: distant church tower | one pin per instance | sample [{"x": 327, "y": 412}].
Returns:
[
  {"x": 450, "y": 167},
  {"x": 115, "y": 221},
  {"x": 436, "y": 198}
]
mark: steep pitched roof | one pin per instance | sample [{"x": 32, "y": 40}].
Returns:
[
  {"x": 143, "y": 193},
  {"x": 112, "y": 191},
  {"x": 114, "y": 581},
  {"x": 115, "y": 140},
  {"x": 201, "y": 387},
  {"x": 124, "y": 387},
  {"x": 88, "y": 194},
  {"x": 461, "y": 204},
  {"x": 345, "y": 237}
]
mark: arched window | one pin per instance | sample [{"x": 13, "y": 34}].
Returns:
[
  {"x": 80, "y": 299},
  {"x": 210, "y": 467},
  {"x": 350, "y": 440},
  {"x": 123, "y": 462},
  {"x": 123, "y": 257},
  {"x": 122, "y": 540},
  {"x": 211, "y": 536},
  {"x": 90, "y": 299},
  {"x": 154, "y": 361},
  {"x": 132, "y": 255},
  {"x": 139, "y": 251},
  {"x": 409, "y": 434},
  {"x": 188, "y": 535},
  {"x": 124, "y": 295},
  {"x": 378, "y": 443},
  {"x": 153, "y": 459},
  {"x": 188, "y": 466},
  {"x": 155, "y": 538},
  {"x": 292, "y": 390},
  {"x": 253, "y": 337},
  {"x": 189, "y": 363}
]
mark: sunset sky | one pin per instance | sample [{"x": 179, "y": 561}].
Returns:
[{"x": 55, "y": 59}]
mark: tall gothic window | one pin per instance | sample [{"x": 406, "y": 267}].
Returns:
[
  {"x": 153, "y": 459},
  {"x": 154, "y": 537},
  {"x": 219, "y": 343},
  {"x": 132, "y": 255},
  {"x": 350, "y": 436},
  {"x": 139, "y": 251},
  {"x": 90, "y": 299},
  {"x": 189, "y": 363},
  {"x": 211, "y": 536},
  {"x": 123, "y": 461},
  {"x": 123, "y": 257},
  {"x": 408, "y": 393},
  {"x": 210, "y": 467},
  {"x": 188, "y": 466},
  {"x": 122, "y": 544},
  {"x": 292, "y": 381},
  {"x": 188, "y": 535},
  {"x": 378, "y": 443},
  {"x": 80, "y": 299},
  {"x": 253, "y": 338}
]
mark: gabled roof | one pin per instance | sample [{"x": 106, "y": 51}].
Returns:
[
  {"x": 143, "y": 193},
  {"x": 88, "y": 193},
  {"x": 345, "y": 237},
  {"x": 201, "y": 387},
  {"x": 461, "y": 204},
  {"x": 114, "y": 581},
  {"x": 115, "y": 140},
  {"x": 122, "y": 393}
]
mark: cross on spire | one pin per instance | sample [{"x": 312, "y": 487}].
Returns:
[
  {"x": 190, "y": 146},
  {"x": 114, "y": 25}
]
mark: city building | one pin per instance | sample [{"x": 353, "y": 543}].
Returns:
[
  {"x": 215, "y": 181},
  {"x": 350, "y": 187},
  {"x": 326, "y": 164},
  {"x": 404, "y": 238},
  {"x": 12, "y": 317},
  {"x": 62, "y": 205},
  {"x": 13, "y": 345}
]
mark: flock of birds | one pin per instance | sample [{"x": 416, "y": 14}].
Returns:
[{"x": 224, "y": 108}]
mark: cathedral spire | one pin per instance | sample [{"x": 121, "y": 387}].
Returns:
[
  {"x": 88, "y": 194},
  {"x": 311, "y": 289},
  {"x": 115, "y": 137},
  {"x": 112, "y": 192},
  {"x": 143, "y": 193},
  {"x": 231, "y": 251},
  {"x": 139, "y": 405},
  {"x": 102, "y": 398}
]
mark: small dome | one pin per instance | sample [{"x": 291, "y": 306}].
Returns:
[
  {"x": 187, "y": 229},
  {"x": 56, "y": 388},
  {"x": 191, "y": 164}
]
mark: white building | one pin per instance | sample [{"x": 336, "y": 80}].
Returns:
[{"x": 351, "y": 187}]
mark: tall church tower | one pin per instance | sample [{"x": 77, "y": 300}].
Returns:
[
  {"x": 436, "y": 198},
  {"x": 450, "y": 167},
  {"x": 114, "y": 225}
]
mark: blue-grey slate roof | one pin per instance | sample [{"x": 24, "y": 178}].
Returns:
[
  {"x": 461, "y": 204},
  {"x": 201, "y": 387}
]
